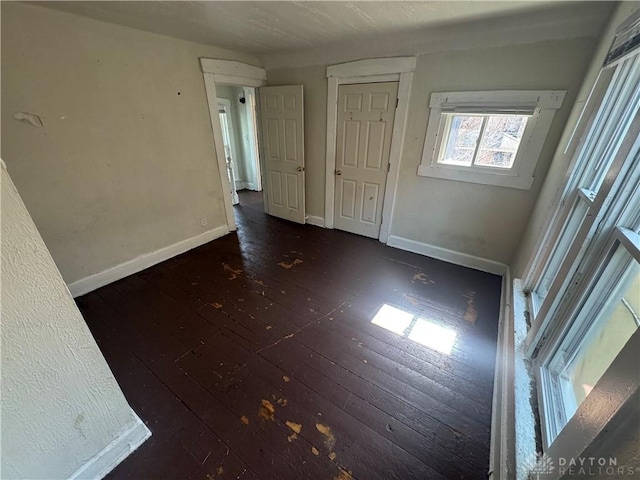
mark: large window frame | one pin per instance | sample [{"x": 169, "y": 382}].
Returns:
[
  {"x": 594, "y": 199},
  {"x": 539, "y": 107},
  {"x": 599, "y": 213},
  {"x": 622, "y": 249}
]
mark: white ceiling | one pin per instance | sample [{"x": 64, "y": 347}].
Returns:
[{"x": 261, "y": 27}]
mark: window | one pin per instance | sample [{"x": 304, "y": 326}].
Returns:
[
  {"x": 489, "y": 141},
  {"x": 595, "y": 197},
  {"x": 584, "y": 283},
  {"x": 605, "y": 321},
  {"x": 493, "y": 138}
]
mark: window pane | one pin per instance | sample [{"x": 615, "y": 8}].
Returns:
[
  {"x": 606, "y": 338},
  {"x": 501, "y": 140},
  {"x": 462, "y": 140},
  {"x": 599, "y": 344},
  {"x": 565, "y": 240}
]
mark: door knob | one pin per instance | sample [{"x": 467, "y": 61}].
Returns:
[
  {"x": 300, "y": 169},
  {"x": 338, "y": 172}
]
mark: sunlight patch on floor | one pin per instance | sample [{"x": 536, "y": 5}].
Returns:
[{"x": 420, "y": 330}]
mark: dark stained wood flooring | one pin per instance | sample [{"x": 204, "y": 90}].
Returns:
[{"x": 254, "y": 356}]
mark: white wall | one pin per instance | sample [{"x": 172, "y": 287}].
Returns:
[
  {"x": 124, "y": 163},
  {"x": 484, "y": 221},
  {"x": 60, "y": 404}
]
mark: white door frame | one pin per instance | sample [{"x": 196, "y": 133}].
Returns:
[
  {"x": 232, "y": 73},
  {"x": 371, "y": 70},
  {"x": 252, "y": 128},
  {"x": 232, "y": 138}
]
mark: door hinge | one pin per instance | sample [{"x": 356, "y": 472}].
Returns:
[
  {"x": 397, "y": 101},
  {"x": 388, "y": 167}
]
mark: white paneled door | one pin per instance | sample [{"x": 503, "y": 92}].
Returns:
[
  {"x": 282, "y": 120},
  {"x": 365, "y": 123}
]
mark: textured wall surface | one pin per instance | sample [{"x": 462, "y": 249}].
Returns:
[
  {"x": 124, "y": 162},
  {"x": 60, "y": 403}
]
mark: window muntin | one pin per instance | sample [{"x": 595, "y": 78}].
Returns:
[
  {"x": 612, "y": 121},
  {"x": 481, "y": 140},
  {"x": 607, "y": 319},
  {"x": 489, "y": 137}
]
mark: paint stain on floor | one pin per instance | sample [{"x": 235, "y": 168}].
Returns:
[
  {"x": 286, "y": 265},
  {"x": 283, "y": 402},
  {"x": 315, "y": 451},
  {"x": 332, "y": 456},
  {"x": 292, "y": 437},
  {"x": 266, "y": 410},
  {"x": 216, "y": 305},
  {"x": 235, "y": 273},
  {"x": 286, "y": 379},
  {"x": 330, "y": 439},
  {"x": 471, "y": 314},
  {"x": 296, "y": 427},
  {"x": 244, "y": 420},
  {"x": 411, "y": 299},
  {"x": 344, "y": 475}
]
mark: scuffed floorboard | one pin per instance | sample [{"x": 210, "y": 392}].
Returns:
[{"x": 254, "y": 356}]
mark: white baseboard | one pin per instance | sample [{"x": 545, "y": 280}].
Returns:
[
  {"x": 451, "y": 256},
  {"x": 110, "y": 457},
  {"x": 317, "y": 221},
  {"x": 110, "y": 275}
]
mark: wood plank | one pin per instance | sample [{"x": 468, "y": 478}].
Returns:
[{"x": 198, "y": 342}]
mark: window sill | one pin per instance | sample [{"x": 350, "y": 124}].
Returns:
[{"x": 509, "y": 181}]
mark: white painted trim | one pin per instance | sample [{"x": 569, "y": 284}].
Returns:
[
  {"x": 368, "y": 71},
  {"x": 110, "y": 275},
  {"x": 234, "y": 73},
  {"x": 542, "y": 103},
  {"x": 239, "y": 81},
  {"x": 451, "y": 256},
  {"x": 502, "y": 429},
  {"x": 218, "y": 143},
  {"x": 392, "y": 77},
  {"x": 317, "y": 221},
  {"x": 397, "y": 142},
  {"x": 232, "y": 68},
  {"x": 372, "y": 66},
  {"x": 330, "y": 159},
  {"x": 226, "y": 103},
  {"x": 129, "y": 439}
]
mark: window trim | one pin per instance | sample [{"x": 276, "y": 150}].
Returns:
[
  {"x": 541, "y": 103},
  {"x": 604, "y": 214},
  {"x": 620, "y": 238},
  {"x": 580, "y": 142}
]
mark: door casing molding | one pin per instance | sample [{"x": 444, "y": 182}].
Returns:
[
  {"x": 227, "y": 72},
  {"x": 370, "y": 70}
]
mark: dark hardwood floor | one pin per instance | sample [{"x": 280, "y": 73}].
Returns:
[{"x": 255, "y": 356}]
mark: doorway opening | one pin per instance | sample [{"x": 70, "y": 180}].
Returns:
[
  {"x": 279, "y": 157},
  {"x": 237, "y": 115}
]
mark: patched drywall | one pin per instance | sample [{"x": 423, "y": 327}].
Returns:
[
  {"x": 479, "y": 220},
  {"x": 60, "y": 404},
  {"x": 124, "y": 163},
  {"x": 555, "y": 181}
]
